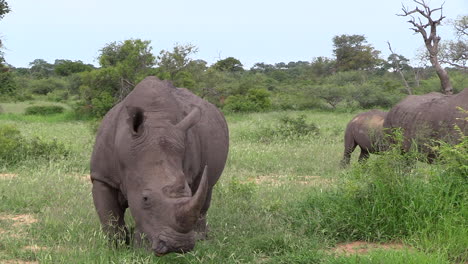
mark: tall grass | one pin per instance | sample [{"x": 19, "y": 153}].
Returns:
[{"x": 394, "y": 198}]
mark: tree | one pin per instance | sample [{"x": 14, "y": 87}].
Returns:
[
  {"x": 352, "y": 53},
  {"x": 322, "y": 66},
  {"x": 68, "y": 67},
  {"x": 131, "y": 61},
  {"x": 431, "y": 39},
  {"x": 40, "y": 68},
  {"x": 229, "y": 64},
  {"x": 175, "y": 61},
  {"x": 4, "y": 9},
  {"x": 398, "y": 63},
  {"x": 455, "y": 53}
]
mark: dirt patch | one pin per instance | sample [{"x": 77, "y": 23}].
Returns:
[
  {"x": 361, "y": 247},
  {"x": 7, "y": 176},
  {"x": 5, "y": 233},
  {"x": 19, "y": 220},
  {"x": 83, "y": 177},
  {"x": 34, "y": 248},
  {"x": 86, "y": 178},
  {"x": 17, "y": 261}
]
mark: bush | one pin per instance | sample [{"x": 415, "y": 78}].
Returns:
[
  {"x": 44, "y": 110},
  {"x": 287, "y": 128},
  {"x": 102, "y": 104},
  {"x": 8, "y": 84},
  {"x": 369, "y": 96},
  {"x": 15, "y": 148},
  {"x": 254, "y": 101},
  {"x": 295, "y": 127},
  {"x": 58, "y": 95},
  {"x": 45, "y": 86}
]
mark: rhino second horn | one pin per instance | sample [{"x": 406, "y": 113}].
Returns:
[
  {"x": 191, "y": 119},
  {"x": 188, "y": 213}
]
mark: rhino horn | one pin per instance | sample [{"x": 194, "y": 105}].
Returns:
[
  {"x": 191, "y": 119},
  {"x": 190, "y": 211}
]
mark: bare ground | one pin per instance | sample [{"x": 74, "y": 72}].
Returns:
[
  {"x": 18, "y": 220},
  {"x": 7, "y": 176},
  {"x": 361, "y": 247}
]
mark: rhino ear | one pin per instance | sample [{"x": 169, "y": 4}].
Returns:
[
  {"x": 191, "y": 119},
  {"x": 136, "y": 119}
]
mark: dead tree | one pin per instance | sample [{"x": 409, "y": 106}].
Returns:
[
  {"x": 398, "y": 69},
  {"x": 431, "y": 39}
]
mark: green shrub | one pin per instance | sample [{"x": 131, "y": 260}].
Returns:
[
  {"x": 102, "y": 104},
  {"x": 15, "y": 148},
  {"x": 295, "y": 127},
  {"x": 11, "y": 143},
  {"x": 44, "y": 110},
  {"x": 58, "y": 96},
  {"x": 255, "y": 100},
  {"x": 292, "y": 128},
  {"x": 45, "y": 86},
  {"x": 8, "y": 84}
]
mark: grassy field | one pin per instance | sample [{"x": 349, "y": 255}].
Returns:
[{"x": 282, "y": 199}]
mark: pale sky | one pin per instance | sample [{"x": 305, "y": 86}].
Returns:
[{"x": 252, "y": 31}]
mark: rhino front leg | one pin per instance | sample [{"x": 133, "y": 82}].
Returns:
[{"x": 110, "y": 210}]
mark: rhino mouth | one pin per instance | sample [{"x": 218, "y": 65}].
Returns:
[{"x": 172, "y": 241}]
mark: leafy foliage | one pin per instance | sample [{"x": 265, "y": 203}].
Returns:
[
  {"x": 8, "y": 84},
  {"x": 229, "y": 64},
  {"x": 44, "y": 110},
  {"x": 352, "y": 53},
  {"x": 295, "y": 127},
  {"x": 255, "y": 100},
  {"x": 68, "y": 67}
]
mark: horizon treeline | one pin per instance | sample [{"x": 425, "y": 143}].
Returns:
[{"x": 356, "y": 77}]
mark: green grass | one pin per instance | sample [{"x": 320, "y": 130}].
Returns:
[{"x": 280, "y": 200}]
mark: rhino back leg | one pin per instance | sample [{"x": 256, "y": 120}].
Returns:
[
  {"x": 364, "y": 154},
  {"x": 111, "y": 210},
  {"x": 349, "y": 146}
]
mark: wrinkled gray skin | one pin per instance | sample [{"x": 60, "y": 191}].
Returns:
[
  {"x": 365, "y": 131},
  {"x": 433, "y": 116},
  {"x": 159, "y": 152}
]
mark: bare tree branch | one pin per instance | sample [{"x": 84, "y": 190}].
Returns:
[
  {"x": 398, "y": 69},
  {"x": 430, "y": 37}
]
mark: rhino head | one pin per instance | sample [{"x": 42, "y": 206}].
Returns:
[{"x": 159, "y": 197}]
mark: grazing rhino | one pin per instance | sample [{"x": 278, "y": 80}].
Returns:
[
  {"x": 159, "y": 152},
  {"x": 365, "y": 131},
  {"x": 429, "y": 117}
]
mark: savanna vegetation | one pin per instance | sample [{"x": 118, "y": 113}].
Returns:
[{"x": 283, "y": 197}]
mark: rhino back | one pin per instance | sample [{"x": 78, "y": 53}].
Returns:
[{"x": 430, "y": 116}]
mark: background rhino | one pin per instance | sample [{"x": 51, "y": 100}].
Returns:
[
  {"x": 365, "y": 131},
  {"x": 159, "y": 152},
  {"x": 428, "y": 117}
]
